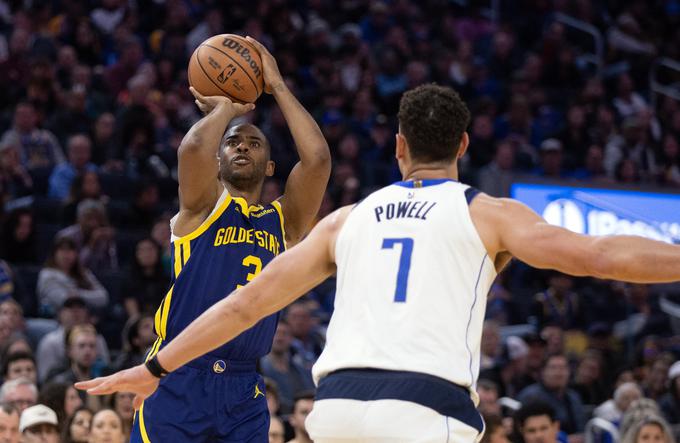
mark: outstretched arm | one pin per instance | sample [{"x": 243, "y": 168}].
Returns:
[
  {"x": 524, "y": 234},
  {"x": 308, "y": 179},
  {"x": 282, "y": 281}
]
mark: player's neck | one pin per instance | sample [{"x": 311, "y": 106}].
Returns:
[
  {"x": 252, "y": 196},
  {"x": 424, "y": 171}
]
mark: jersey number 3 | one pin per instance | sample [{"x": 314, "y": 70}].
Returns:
[
  {"x": 252, "y": 263},
  {"x": 404, "y": 265}
]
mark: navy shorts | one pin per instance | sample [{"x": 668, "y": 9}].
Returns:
[{"x": 207, "y": 400}]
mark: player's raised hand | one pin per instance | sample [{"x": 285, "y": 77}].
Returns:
[
  {"x": 272, "y": 76},
  {"x": 207, "y": 104},
  {"x": 137, "y": 380}
]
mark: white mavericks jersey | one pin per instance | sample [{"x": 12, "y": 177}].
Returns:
[{"x": 413, "y": 277}]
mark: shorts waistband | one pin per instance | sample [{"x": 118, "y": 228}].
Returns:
[
  {"x": 446, "y": 398},
  {"x": 219, "y": 365}
]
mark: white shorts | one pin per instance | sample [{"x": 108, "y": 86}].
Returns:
[
  {"x": 342, "y": 420},
  {"x": 374, "y": 405}
]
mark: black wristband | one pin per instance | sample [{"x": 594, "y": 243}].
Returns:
[{"x": 155, "y": 368}]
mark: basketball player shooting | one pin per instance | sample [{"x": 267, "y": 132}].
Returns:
[
  {"x": 222, "y": 238},
  {"x": 414, "y": 263}
]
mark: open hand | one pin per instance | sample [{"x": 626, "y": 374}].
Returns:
[
  {"x": 207, "y": 104},
  {"x": 270, "y": 70},
  {"x": 137, "y": 380}
]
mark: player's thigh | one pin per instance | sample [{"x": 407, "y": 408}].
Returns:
[
  {"x": 175, "y": 412},
  {"x": 341, "y": 420}
]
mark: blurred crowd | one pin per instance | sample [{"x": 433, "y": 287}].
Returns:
[{"x": 94, "y": 103}]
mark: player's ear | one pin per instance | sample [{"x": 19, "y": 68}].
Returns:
[
  {"x": 402, "y": 146},
  {"x": 463, "y": 146},
  {"x": 269, "y": 171}
]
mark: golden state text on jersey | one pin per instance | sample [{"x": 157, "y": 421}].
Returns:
[{"x": 227, "y": 251}]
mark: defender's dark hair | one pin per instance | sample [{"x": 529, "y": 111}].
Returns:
[
  {"x": 433, "y": 119},
  {"x": 533, "y": 409}
]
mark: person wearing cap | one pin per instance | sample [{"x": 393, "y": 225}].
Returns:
[
  {"x": 9, "y": 424},
  {"x": 51, "y": 353},
  {"x": 670, "y": 402},
  {"x": 39, "y": 424}
]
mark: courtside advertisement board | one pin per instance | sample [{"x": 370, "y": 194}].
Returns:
[{"x": 598, "y": 211}]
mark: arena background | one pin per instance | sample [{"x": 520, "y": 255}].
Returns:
[{"x": 575, "y": 108}]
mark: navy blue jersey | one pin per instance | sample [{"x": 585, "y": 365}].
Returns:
[{"x": 227, "y": 251}]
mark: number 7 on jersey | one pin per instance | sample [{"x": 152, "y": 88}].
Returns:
[{"x": 404, "y": 265}]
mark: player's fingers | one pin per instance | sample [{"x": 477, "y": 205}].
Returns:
[
  {"x": 85, "y": 385},
  {"x": 259, "y": 46},
  {"x": 196, "y": 94},
  {"x": 108, "y": 386}
]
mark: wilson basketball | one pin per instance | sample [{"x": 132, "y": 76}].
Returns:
[{"x": 228, "y": 65}]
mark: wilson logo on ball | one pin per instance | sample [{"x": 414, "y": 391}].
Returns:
[{"x": 244, "y": 53}]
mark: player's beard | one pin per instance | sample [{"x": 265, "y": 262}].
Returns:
[{"x": 243, "y": 178}]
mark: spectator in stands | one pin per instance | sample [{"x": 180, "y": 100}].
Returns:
[
  {"x": 588, "y": 379},
  {"x": 93, "y": 236},
  {"x": 121, "y": 402},
  {"x": 536, "y": 356},
  {"x": 496, "y": 177},
  {"x": 64, "y": 277},
  {"x": 19, "y": 393},
  {"x": 304, "y": 401},
  {"x": 85, "y": 186},
  {"x": 279, "y": 365},
  {"x": 81, "y": 350},
  {"x": 494, "y": 431},
  {"x": 655, "y": 382},
  {"x": 146, "y": 282},
  {"x": 19, "y": 365},
  {"x": 62, "y": 398},
  {"x": 488, "y": 397},
  {"x": 308, "y": 342},
  {"x": 510, "y": 371},
  {"x": 553, "y": 389},
  {"x": 13, "y": 315},
  {"x": 276, "y": 430},
  {"x": 138, "y": 336},
  {"x": 79, "y": 149},
  {"x": 18, "y": 239},
  {"x": 72, "y": 116},
  {"x": 537, "y": 423},
  {"x": 38, "y": 148},
  {"x": 16, "y": 344},
  {"x": 39, "y": 424},
  {"x": 14, "y": 178},
  {"x": 9, "y": 424},
  {"x": 272, "y": 390},
  {"x": 670, "y": 402},
  {"x": 613, "y": 409},
  {"x": 652, "y": 428},
  {"x": 106, "y": 427},
  {"x": 559, "y": 304},
  {"x": 161, "y": 234},
  {"x": 490, "y": 344},
  {"x": 9, "y": 290},
  {"x": 51, "y": 353},
  {"x": 76, "y": 429}
]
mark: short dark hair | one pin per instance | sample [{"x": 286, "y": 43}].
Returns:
[
  {"x": 15, "y": 356},
  {"x": 306, "y": 394},
  {"x": 534, "y": 409},
  {"x": 433, "y": 119},
  {"x": 491, "y": 423}
]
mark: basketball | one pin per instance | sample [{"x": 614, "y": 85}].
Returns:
[{"x": 227, "y": 65}]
